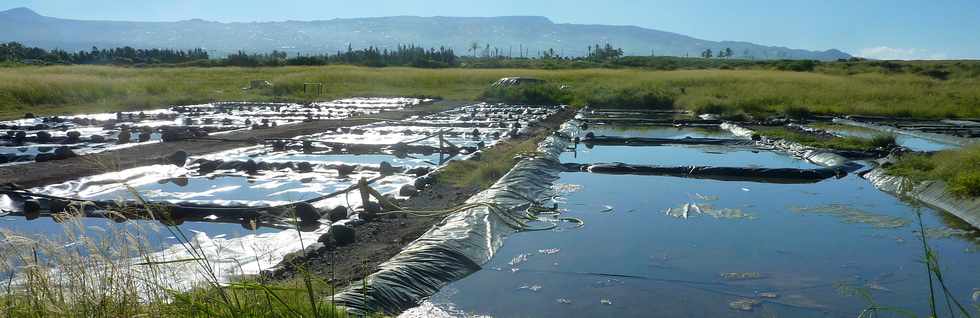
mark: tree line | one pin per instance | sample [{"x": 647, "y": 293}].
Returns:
[
  {"x": 402, "y": 55},
  {"x": 18, "y": 53},
  {"x": 602, "y": 56}
]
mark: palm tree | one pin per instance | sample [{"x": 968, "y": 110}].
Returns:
[{"x": 473, "y": 47}]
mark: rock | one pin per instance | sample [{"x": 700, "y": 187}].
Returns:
[
  {"x": 58, "y": 206},
  {"x": 306, "y": 212},
  {"x": 171, "y": 134},
  {"x": 43, "y": 136},
  {"x": 419, "y": 171},
  {"x": 250, "y": 167},
  {"x": 64, "y": 153},
  {"x": 97, "y": 138},
  {"x": 124, "y": 136},
  {"x": 369, "y": 211},
  {"x": 304, "y": 166},
  {"x": 408, "y": 190},
  {"x": 73, "y": 137},
  {"x": 208, "y": 166},
  {"x": 20, "y": 136},
  {"x": 344, "y": 170},
  {"x": 590, "y": 135},
  {"x": 342, "y": 234},
  {"x": 42, "y": 157},
  {"x": 424, "y": 182},
  {"x": 337, "y": 214},
  {"x": 29, "y": 115},
  {"x": 178, "y": 158},
  {"x": 32, "y": 209},
  {"x": 386, "y": 168}
]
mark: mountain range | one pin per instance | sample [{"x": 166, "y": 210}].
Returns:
[{"x": 504, "y": 35}]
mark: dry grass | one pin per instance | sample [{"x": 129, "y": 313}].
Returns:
[{"x": 74, "y": 89}]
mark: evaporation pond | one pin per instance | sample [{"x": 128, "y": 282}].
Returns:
[
  {"x": 907, "y": 141},
  {"x": 640, "y": 131},
  {"x": 684, "y": 155},
  {"x": 676, "y": 247}
]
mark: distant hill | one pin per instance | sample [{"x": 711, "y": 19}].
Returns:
[{"x": 506, "y": 34}]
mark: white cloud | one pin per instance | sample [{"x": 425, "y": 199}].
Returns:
[{"x": 890, "y": 53}]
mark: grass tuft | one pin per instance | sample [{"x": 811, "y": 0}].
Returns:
[
  {"x": 960, "y": 169},
  {"x": 835, "y": 143}
]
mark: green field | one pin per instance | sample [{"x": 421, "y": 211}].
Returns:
[{"x": 81, "y": 89}]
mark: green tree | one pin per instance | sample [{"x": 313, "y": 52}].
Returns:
[
  {"x": 707, "y": 53},
  {"x": 473, "y": 47}
]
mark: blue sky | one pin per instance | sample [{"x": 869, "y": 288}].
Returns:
[{"x": 897, "y": 29}]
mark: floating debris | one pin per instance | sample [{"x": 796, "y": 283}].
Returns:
[
  {"x": 566, "y": 188},
  {"x": 689, "y": 210},
  {"x": 607, "y": 283},
  {"x": 533, "y": 288},
  {"x": 706, "y": 197},
  {"x": 549, "y": 251},
  {"x": 852, "y": 215},
  {"x": 746, "y": 189},
  {"x": 873, "y": 285},
  {"x": 606, "y": 209},
  {"x": 744, "y": 304},
  {"x": 563, "y": 301},
  {"x": 742, "y": 275},
  {"x": 769, "y": 295},
  {"x": 945, "y": 232},
  {"x": 976, "y": 295},
  {"x": 517, "y": 260},
  {"x": 605, "y": 301}
]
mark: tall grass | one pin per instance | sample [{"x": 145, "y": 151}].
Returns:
[
  {"x": 960, "y": 169},
  {"x": 117, "y": 274},
  {"x": 850, "y": 143},
  {"x": 493, "y": 164},
  {"x": 75, "y": 89}
]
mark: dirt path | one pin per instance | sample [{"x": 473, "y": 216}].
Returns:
[
  {"x": 378, "y": 241},
  {"x": 51, "y": 172}
]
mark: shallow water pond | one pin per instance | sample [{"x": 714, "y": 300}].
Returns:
[
  {"x": 654, "y": 246},
  {"x": 645, "y": 262},
  {"x": 658, "y": 132},
  {"x": 907, "y": 141},
  {"x": 685, "y": 155}
]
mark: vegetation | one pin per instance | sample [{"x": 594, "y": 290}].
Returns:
[
  {"x": 493, "y": 164},
  {"x": 960, "y": 169},
  {"x": 76, "y": 89},
  {"x": 14, "y": 52},
  {"x": 644, "y": 97},
  {"x": 114, "y": 274},
  {"x": 882, "y": 141}
]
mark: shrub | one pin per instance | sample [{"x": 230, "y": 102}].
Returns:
[
  {"x": 965, "y": 184},
  {"x": 630, "y": 97}
]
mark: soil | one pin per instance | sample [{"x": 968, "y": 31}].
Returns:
[
  {"x": 378, "y": 241},
  {"x": 51, "y": 172}
]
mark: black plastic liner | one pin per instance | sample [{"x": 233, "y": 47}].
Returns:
[
  {"x": 766, "y": 175},
  {"x": 458, "y": 245}
]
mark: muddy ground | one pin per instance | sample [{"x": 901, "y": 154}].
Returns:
[
  {"x": 378, "y": 241},
  {"x": 51, "y": 172}
]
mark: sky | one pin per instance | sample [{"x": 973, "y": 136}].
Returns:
[{"x": 896, "y": 29}]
